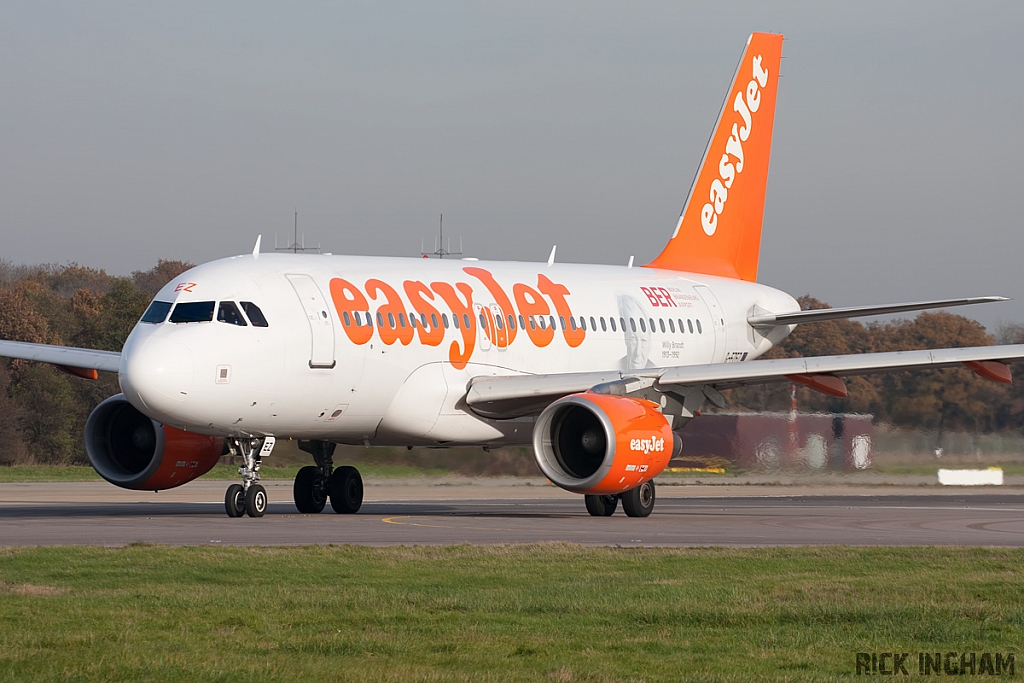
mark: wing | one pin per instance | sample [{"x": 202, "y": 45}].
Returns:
[
  {"x": 520, "y": 395},
  {"x": 80, "y": 362}
]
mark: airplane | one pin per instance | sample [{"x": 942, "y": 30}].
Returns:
[{"x": 598, "y": 367}]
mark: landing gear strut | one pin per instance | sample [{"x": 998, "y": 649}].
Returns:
[
  {"x": 315, "y": 484},
  {"x": 249, "y": 497},
  {"x": 638, "y": 502}
]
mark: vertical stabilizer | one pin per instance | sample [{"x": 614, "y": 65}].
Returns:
[{"x": 719, "y": 230}]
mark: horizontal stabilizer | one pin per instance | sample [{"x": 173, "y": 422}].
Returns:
[{"x": 818, "y": 315}]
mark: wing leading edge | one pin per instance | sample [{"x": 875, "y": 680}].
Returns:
[
  {"x": 80, "y": 362},
  {"x": 520, "y": 395}
]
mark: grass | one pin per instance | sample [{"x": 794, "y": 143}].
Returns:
[{"x": 515, "y": 613}]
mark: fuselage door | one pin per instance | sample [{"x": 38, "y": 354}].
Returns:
[
  {"x": 484, "y": 323},
  {"x": 321, "y": 324},
  {"x": 717, "y": 321},
  {"x": 500, "y": 327}
]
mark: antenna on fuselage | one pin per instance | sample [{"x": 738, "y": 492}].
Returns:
[
  {"x": 295, "y": 246},
  {"x": 439, "y": 248}
]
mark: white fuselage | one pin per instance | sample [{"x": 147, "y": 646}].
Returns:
[{"x": 316, "y": 373}]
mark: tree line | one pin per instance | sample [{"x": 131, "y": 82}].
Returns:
[{"x": 43, "y": 410}]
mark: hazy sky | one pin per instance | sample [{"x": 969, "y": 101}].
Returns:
[{"x": 137, "y": 131}]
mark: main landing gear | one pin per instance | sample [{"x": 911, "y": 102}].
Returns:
[
  {"x": 315, "y": 484},
  {"x": 638, "y": 502},
  {"x": 249, "y": 497}
]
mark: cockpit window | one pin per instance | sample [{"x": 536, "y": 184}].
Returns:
[
  {"x": 156, "y": 313},
  {"x": 255, "y": 314},
  {"x": 228, "y": 313},
  {"x": 193, "y": 312}
]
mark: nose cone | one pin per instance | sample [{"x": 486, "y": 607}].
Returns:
[{"x": 156, "y": 373}]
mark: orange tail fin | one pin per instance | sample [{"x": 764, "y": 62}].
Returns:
[{"x": 719, "y": 230}]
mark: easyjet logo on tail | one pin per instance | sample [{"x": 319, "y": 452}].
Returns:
[
  {"x": 746, "y": 105},
  {"x": 726, "y": 199}
]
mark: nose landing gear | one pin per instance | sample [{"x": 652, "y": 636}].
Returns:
[{"x": 249, "y": 497}]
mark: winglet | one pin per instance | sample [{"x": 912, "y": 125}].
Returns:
[
  {"x": 719, "y": 230},
  {"x": 256, "y": 249}
]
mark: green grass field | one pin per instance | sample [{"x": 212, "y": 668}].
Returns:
[{"x": 538, "y": 612}]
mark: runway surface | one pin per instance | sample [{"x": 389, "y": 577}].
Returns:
[{"x": 947, "y": 518}]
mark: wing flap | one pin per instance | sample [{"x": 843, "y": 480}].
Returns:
[{"x": 64, "y": 357}]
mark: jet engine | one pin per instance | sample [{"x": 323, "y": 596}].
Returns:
[
  {"x": 601, "y": 444},
  {"x": 132, "y": 451}
]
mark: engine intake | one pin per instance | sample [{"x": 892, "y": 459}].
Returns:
[
  {"x": 133, "y": 451},
  {"x": 601, "y": 444}
]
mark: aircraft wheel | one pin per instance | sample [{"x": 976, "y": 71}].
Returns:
[
  {"x": 310, "y": 490},
  {"x": 639, "y": 502},
  {"x": 601, "y": 506},
  {"x": 256, "y": 501},
  {"x": 234, "y": 500},
  {"x": 346, "y": 490}
]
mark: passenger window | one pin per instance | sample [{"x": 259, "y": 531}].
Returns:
[
  {"x": 444, "y": 319},
  {"x": 156, "y": 313},
  {"x": 254, "y": 314},
  {"x": 391, "y": 320},
  {"x": 348, "y": 321},
  {"x": 499, "y": 322},
  {"x": 604, "y": 328},
  {"x": 433, "y": 320},
  {"x": 511, "y": 322},
  {"x": 423, "y": 320},
  {"x": 643, "y": 327},
  {"x": 651, "y": 320},
  {"x": 412, "y": 321},
  {"x": 632, "y": 324},
  {"x": 369, "y": 319},
  {"x": 228, "y": 313},
  {"x": 593, "y": 324},
  {"x": 533, "y": 323},
  {"x": 611, "y": 321},
  {"x": 699, "y": 331},
  {"x": 671, "y": 325},
  {"x": 689, "y": 324},
  {"x": 572, "y": 323},
  {"x": 561, "y": 319},
  {"x": 552, "y": 319},
  {"x": 483, "y": 321},
  {"x": 193, "y": 312},
  {"x": 401, "y": 319},
  {"x": 542, "y": 322},
  {"x": 380, "y": 319},
  {"x": 465, "y": 320},
  {"x": 661, "y": 323},
  {"x": 522, "y": 323},
  {"x": 622, "y": 324}
]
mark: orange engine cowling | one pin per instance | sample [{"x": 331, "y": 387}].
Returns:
[
  {"x": 602, "y": 444},
  {"x": 132, "y": 451}
]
